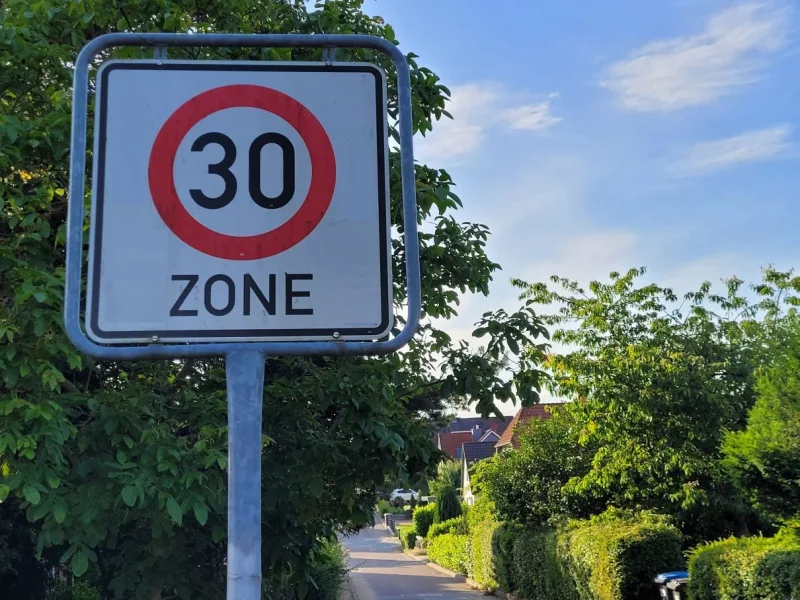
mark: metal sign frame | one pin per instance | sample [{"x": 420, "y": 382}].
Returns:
[
  {"x": 244, "y": 361},
  {"x": 159, "y": 41}
]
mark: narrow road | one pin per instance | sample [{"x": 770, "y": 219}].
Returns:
[{"x": 383, "y": 572}]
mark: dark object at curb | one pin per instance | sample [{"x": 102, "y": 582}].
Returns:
[{"x": 671, "y": 585}]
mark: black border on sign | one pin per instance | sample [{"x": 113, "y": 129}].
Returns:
[{"x": 383, "y": 208}]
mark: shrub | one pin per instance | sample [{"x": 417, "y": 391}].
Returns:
[
  {"x": 482, "y": 555},
  {"x": 447, "y": 505},
  {"x": 746, "y": 569},
  {"x": 482, "y": 510},
  {"x": 423, "y": 519},
  {"x": 383, "y": 507},
  {"x": 503, "y": 542},
  {"x": 457, "y": 525},
  {"x": 616, "y": 555},
  {"x": 407, "y": 535},
  {"x": 328, "y": 570},
  {"x": 78, "y": 590},
  {"x": 450, "y": 550},
  {"x": 537, "y": 572}
]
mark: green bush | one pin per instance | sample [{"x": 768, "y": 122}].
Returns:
[
  {"x": 616, "y": 555},
  {"x": 482, "y": 555},
  {"x": 746, "y": 569},
  {"x": 328, "y": 571},
  {"x": 537, "y": 572},
  {"x": 450, "y": 550},
  {"x": 407, "y": 535},
  {"x": 383, "y": 507},
  {"x": 78, "y": 590},
  {"x": 457, "y": 525},
  {"x": 503, "y": 540},
  {"x": 482, "y": 510},
  {"x": 447, "y": 505},
  {"x": 423, "y": 519}
]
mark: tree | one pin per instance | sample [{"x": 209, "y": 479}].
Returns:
[
  {"x": 121, "y": 467},
  {"x": 448, "y": 474},
  {"x": 659, "y": 382},
  {"x": 526, "y": 484},
  {"x": 447, "y": 505},
  {"x": 764, "y": 458}
]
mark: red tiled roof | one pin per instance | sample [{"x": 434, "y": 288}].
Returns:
[
  {"x": 450, "y": 442},
  {"x": 537, "y": 411}
]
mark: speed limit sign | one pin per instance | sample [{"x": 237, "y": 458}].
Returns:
[{"x": 239, "y": 201}]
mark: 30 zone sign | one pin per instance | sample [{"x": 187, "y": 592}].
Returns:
[{"x": 239, "y": 201}]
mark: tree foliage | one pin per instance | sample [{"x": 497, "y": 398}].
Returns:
[
  {"x": 526, "y": 484},
  {"x": 764, "y": 458},
  {"x": 658, "y": 380},
  {"x": 121, "y": 467},
  {"x": 447, "y": 505}
]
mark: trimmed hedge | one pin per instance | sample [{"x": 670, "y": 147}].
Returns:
[
  {"x": 450, "y": 550},
  {"x": 537, "y": 570},
  {"x": 407, "y": 535},
  {"x": 616, "y": 555},
  {"x": 457, "y": 525},
  {"x": 423, "y": 519},
  {"x": 482, "y": 556},
  {"x": 503, "y": 540},
  {"x": 746, "y": 569}
]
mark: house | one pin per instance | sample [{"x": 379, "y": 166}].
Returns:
[
  {"x": 471, "y": 453},
  {"x": 451, "y": 443},
  {"x": 509, "y": 438},
  {"x": 450, "y": 438},
  {"x": 469, "y": 424}
]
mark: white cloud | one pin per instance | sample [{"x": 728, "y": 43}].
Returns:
[
  {"x": 695, "y": 70},
  {"x": 477, "y": 109},
  {"x": 750, "y": 146},
  {"x": 533, "y": 117}
]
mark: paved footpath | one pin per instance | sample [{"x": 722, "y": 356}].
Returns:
[{"x": 383, "y": 572}]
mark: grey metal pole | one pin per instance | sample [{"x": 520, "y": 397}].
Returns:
[{"x": 245, "y": 381}]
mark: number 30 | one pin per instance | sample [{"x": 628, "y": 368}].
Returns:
[{"x": 223, "y": 169}]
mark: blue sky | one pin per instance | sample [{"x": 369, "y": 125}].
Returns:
[{"x": 599, "y": 136}]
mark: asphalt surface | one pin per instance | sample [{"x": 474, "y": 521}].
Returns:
[{"x": 383, "y": 572}]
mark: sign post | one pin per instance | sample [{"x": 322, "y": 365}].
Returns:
[{"x": 239, "y": 209}]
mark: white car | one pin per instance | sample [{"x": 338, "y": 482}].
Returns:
[{"x": 401, "y": 494}]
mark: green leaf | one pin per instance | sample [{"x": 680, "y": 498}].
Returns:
[
  {"x": 52, "y": 480},
  {"x": 218, "y": 534},
  {"x": 129, "y": 494},
  {"x": 174, "y": 510},
  {"x": 60, "y": 511},
  {"x": 31, "y": 494},
  {"x": 480, "y": 332},
  {"x": 4, "y": 490},
  {"x": 222, "y": 462},
  {"x": 513, "y": 346},
  {"x": 79, "y": 563},
  {"x": 40, "y": 511},
  {"x": 201, "y": 513}
]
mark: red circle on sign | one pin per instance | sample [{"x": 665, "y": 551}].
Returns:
[{"x": 231, "y": 247}]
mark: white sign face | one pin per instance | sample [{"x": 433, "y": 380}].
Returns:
[{"x": 239, "y": 201}]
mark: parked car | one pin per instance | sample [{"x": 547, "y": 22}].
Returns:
[{"x": 401, "y": 496}]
